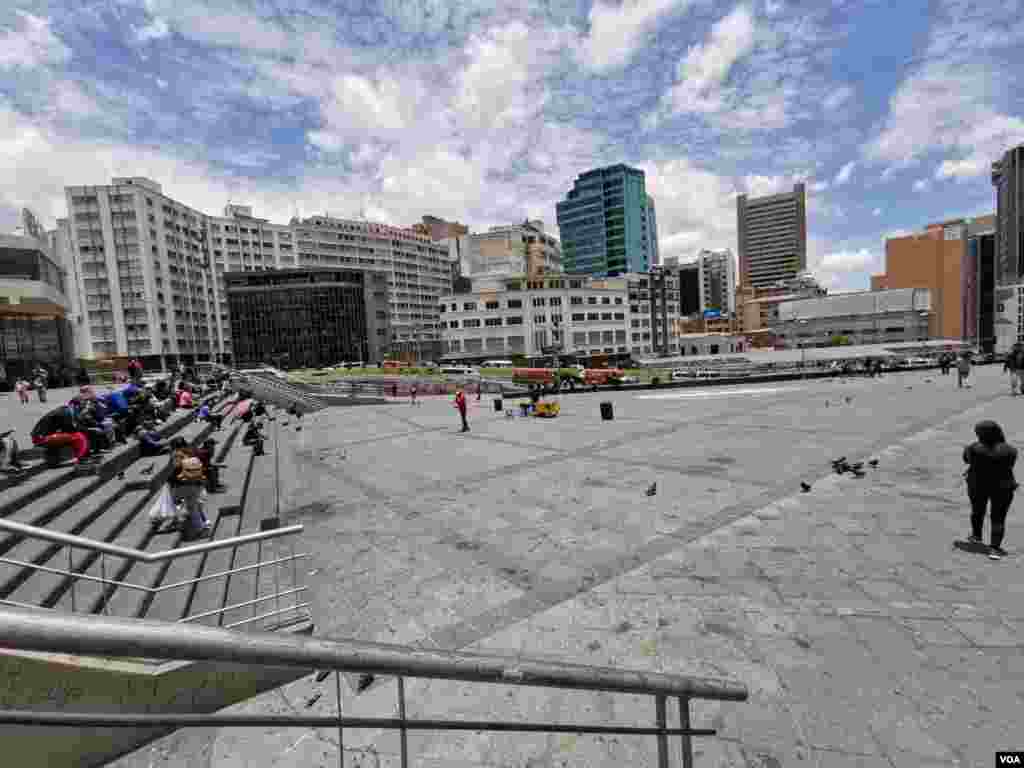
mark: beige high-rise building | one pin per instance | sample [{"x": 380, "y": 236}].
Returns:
[{"x": 772, "y": 234}]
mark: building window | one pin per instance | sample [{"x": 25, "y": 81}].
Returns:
[
  {"x": 606, "y": 300},
  {"x": 540, "y": 319},
  {"x": 514, "y": 320},
  {"x": 555, "y": 301},
  {"x": 492, "y": 322},
  {"x": 578, "y": 317},
  {"x": 620, "y": 316},
  {"x": 576, "y": 301},
  {"x": 592, "y": 300},
  {"x": 515, "y": 303},
  {"x": 469, "y": 307},
  {"x": 538, "y": 302},
  {"x": 473, "y": 322},
  {"x": 593, "y": 316},
  {"x": 491, "y": 305}
]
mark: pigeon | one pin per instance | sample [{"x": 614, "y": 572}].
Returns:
[
  {"x": 313, "y": 699},
  {"x": 652, "y": 490},
  {"x": 873, "y": 462},
  {"x": 365, "y": 681},
  {"x": 148, "y": 470},
  {"x": 826, "y": 403},
  {"x": 805, "y": 487},
  {"x": 857, "y": 467},
  {"x": 323, "y": 675},
  {"x": 859, "y": 473},
  {"x": 849, "y": 399}
]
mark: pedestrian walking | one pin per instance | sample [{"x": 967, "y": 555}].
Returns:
[
  {"x": 412, "y": 394},
  {"x": 990, "y": 481},
  {"x": 41, "y": 382},
  {"x": 1015, "y": 365},
  {"x": 21, "y": 387},
  {"x": 462, "y": 406},
  {"x": 963, "y": 371}
]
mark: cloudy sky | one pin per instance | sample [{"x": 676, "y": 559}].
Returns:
[{"x": 485, "y": 111}]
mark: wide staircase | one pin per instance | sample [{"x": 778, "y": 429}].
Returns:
[
  {"x": 114, "y": 634},
  {"x": 79, "y": 540}
]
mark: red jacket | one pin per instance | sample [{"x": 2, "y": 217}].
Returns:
[{"x": 460, "y": 400}]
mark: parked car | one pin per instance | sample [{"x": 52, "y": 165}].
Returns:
[
  {"x": 630, "y": 379},
  {"x": 918, "y": 362}
]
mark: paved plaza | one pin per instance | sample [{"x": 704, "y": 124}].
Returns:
[{"x": 864, "y": 639}]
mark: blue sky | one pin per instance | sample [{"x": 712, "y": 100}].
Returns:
[{"x": 486, "y": 111}]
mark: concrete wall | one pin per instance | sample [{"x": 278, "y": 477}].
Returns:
[
  {"x": 928, "y": 261},
  {"x": 61, "y": 683}
]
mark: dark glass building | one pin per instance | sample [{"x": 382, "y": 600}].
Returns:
[
  {"x": 308, "y": 317},
  {"x": 1008, "y": 180},
  {"x": 689, "y": 290},
  {"x": 606, "y": 223}
]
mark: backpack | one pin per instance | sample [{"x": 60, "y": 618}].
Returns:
[{"x": 191, "y": 471}]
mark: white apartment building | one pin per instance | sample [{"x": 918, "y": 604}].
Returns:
[
  {"x": 559, "y": 314},
  {"x": 419, "y": 271},
  {"x": 142, "y": 272},
  {"x": 717, "y": 281},
  {"x": 240, "y": 242}
]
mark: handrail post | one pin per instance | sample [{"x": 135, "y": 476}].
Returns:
[
  {"x": 662, "y": 717},
  {"x": 403, "y": 733},
  {"x": 686, "y": 741},
  {"x": 341, "y": 729},
  {"x": 103, "y": 575},
  {"x": 295, "y": 575},
  {"x": 256, "y": 581},
  {"x": 74, "y": 581},
  {"x": 277, "y": 589}
]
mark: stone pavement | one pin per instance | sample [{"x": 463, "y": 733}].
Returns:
[{"x": 864, "y": 638}]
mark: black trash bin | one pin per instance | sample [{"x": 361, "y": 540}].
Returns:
[
  {"x": 497, "y": 405},
  {"x": 606, "y": 411}
]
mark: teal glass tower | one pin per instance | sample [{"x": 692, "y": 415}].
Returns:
[{"x": 605, "y": 223}]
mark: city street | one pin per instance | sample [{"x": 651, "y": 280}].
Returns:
[{"x": 864, "y": 638}]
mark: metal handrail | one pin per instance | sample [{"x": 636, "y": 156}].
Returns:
[
  {"x": 88, "y": 635},
  {"x": 118, "y": 638},
  {"x": 137, "y": 555}
]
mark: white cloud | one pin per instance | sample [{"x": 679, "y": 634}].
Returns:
[
  {"x": 157, "y": 29},
  {"x": 921, "y": 185},
  {"x": 845, "y": 270},
  {"x": 818, "y": 186},
  {"x": 845, "y": 173},
  {"x": 30, "y": 44},
  {"x": 876, "y": 212},
  {"x": 703, "y": 72},
  {"x": 618, "y": 29},
  {"x": 955, "y": 102},
  {"x": 837, "y": 98}
]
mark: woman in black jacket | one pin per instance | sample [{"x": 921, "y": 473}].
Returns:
[{"x": 990, "y": 479}]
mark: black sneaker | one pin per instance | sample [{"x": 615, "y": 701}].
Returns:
[
  {"x": 996, "y": 553},
  {"x": 972, "y": 539}
]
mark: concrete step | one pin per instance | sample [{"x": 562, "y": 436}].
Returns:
[{"x": 171, "y": 605}]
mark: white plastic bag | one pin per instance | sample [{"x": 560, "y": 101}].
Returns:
[{"x": 163, "y": 507}]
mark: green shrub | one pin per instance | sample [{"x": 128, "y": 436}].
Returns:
[{"x": 655, "y": 381}]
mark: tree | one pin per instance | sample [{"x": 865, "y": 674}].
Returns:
[
  {"x": 519, "y": 361},
  {"x": 838, "y": 340}
]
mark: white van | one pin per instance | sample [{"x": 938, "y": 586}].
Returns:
[
  {"x": 681, "y": 374},
  {"x": 266, "y": 371},
  {"x": 498, "y": 364},
  {"x": 460, "y": 370}
]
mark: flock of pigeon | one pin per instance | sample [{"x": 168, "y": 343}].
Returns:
[{"x": 841, "y": 466}]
